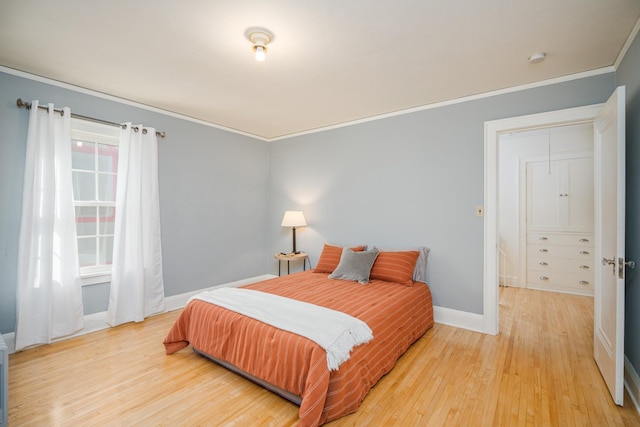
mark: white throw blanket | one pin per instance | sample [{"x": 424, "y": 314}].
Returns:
[{"x": 333, "y": 330}]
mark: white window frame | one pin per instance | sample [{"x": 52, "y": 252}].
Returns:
[{"x": 97, "y": 133}]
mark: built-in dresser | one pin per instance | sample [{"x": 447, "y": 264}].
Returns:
[{"x": 560, "y": 225}]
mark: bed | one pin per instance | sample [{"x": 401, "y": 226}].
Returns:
[{"x": 398, "y": 313}]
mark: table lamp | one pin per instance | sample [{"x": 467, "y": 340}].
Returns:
[{"x": 294, "y": 219}]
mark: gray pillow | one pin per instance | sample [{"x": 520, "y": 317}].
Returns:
[
  {"x": 420, "y": 272},
  {"x": 355, "y": 265}
]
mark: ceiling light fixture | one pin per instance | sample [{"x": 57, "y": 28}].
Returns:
[
  {"x": 537, "y": 57},
  {"x": 260, "y": 39}
]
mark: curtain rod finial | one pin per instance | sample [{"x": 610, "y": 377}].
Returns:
[{"x": 20, "y": 103}]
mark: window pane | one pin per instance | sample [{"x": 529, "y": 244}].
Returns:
[
  {"x": 82, "y": 155},
  {"x": 94, "y": 173},
  {"x": 106, "y": 250},
  {"x": 107, "y": 220},
  {"x": 87, "y": 251},
  {"x": 86, "y": 220},
  {"x": 84, "y": 186},
  {"x": 107, "y": 158},
  {"x": 106, "y": 187}
]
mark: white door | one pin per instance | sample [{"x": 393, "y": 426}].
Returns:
[
  {"x": 543, "y": 195},
  {"x": 579, "y": 202},
  {"x": 609, "y": 158}
]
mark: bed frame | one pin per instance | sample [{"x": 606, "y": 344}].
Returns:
[{"x": 294, "y": 398}]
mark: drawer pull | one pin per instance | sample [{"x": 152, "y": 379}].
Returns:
[
  {"x": 544, "y": 250},
  {"x": 583, "y": 282},
  {"x": 544, "y": 278},
  {"x": 584, "y": 267},
  {"x": 584, "y": 240},
  {"x": 584, "y": 253},
  {"x": 543, "y": 263},
  {"x": 543, "y": 238}
]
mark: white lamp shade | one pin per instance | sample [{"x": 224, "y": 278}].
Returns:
[{"x": 293, "y": 219}]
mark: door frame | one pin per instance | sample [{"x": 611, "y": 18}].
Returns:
[{"x": 492, "y": 129}]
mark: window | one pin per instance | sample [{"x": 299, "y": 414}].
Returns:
[{"x": 94, "y": 164}]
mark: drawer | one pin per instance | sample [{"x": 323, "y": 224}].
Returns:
[
  {"x": 566, "y": 252},
  {"x": 559, "y": 264},
  {"x": 560, "y": 279},
  {"x": 563, "y": 239}
]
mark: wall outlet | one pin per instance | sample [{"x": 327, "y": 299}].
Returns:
[{"x": 479, "y": 210}]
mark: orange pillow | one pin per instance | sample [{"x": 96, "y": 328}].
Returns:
[
  {"x": 330, "y": 258},
  {"x": 395, "y": 267}
]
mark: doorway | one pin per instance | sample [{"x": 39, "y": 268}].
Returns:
[
  {"x": 609, "y": 241},
  {"x": 493, "y": 130},
  {"x": 546, "y": 208}
]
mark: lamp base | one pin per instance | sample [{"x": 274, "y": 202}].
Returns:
[{"x": 294, "y": 242}]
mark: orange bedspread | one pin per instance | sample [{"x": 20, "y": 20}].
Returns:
[{"x": 397, "y": 314}]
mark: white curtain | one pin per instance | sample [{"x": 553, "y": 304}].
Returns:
[
  {"x": 137, "y": 287},
  {"x": 49, "y": 293}
]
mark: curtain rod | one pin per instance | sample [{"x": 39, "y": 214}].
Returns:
[{"x": 22, "y": 104}]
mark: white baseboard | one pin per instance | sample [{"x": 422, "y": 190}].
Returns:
[
  {"x": 509, "y": 281},
  {"x": 176, "y": 302},
  {"x": 632, "y": 383},
  {"x": 98, "y": 321},
  {"x": 459, "y": 319},
  {"x": 446, "y": 316}
]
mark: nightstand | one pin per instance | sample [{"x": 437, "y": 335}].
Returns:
[{"x": 292, "y": 257}]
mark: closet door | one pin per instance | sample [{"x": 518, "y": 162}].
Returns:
[
  {"x": 560, "y": 195},
  {"x": 544, "y": 210},
  {"x": 579, "y": 195}
]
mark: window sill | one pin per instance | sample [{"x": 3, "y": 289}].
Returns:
[{"x": 94, "y": 278}]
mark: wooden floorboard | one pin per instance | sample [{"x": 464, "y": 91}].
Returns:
[{"x": 538, "y": 371}]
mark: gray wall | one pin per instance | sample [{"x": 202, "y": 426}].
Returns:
[
  {"x": 628, "y": 74},
  {"x": 213, "y": 194},
  {"x": 408, "y": 180}
]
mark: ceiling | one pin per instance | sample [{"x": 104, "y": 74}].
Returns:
[{"x": 330, "y": 62}]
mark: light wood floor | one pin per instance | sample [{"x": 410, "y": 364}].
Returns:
[{"x": 538, "y": 371}]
